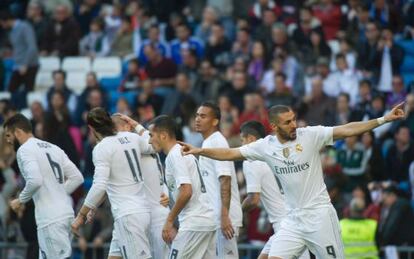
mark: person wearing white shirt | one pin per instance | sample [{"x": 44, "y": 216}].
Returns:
[
  {"x": 221, "y": 182},
  {"x": 262, "y": 185},
  {"x": 155, "y": 187},
  {"x": 50, "y": 179},
  {"x": 197, "y": 227},
  {"x": 293, "y": 154},
  {"x": 118, "y": 173}
]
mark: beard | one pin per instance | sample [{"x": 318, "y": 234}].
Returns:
[
  {"x": 16, "y": 145},
  {"x": 285, "y": 135}
]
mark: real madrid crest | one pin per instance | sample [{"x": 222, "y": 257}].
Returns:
[
  {"x": 286, "y": 152},
  {"x": 299, "y": 147}
]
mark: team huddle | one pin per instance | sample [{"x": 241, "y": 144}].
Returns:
[{"x": 191, "y": 207}]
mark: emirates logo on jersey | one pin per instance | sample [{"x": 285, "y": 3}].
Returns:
[{"x": 286, "y": 152}]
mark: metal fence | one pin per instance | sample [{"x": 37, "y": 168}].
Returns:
[{"x": 246, "y": 251}]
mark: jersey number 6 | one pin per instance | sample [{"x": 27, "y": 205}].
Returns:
[{"x": 57, "y": 171}]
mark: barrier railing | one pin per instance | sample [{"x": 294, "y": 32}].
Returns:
[{"x": 246, "y": 251}]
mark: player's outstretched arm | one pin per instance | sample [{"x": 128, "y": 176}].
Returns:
[
  {"x": 357, "y": 128},
  {"x": 223, "y": 154}
]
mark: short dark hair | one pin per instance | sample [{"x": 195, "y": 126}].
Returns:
[
  {"x": 59, "y": 71},
  {"x": 346, "y": 95},
  {"x": 275, "y": 110},
  {"x": 99, "y": 119},
  {"x": 281, "y": 74},
  {"x": 165, "y": 123},
  {"x": 18, "y": 121},
  {"x": 253, "y": 128},
  {"x": 340, "y": 56},
  {"x": 365, "y": 82},
  {"x": 215, "y": 109}
]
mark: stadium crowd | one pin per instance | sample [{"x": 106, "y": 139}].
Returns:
[{"x": 333, "y": 61}]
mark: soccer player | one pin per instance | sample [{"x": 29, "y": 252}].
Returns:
[
  {"x": 221, "y": 182},
  {"x": 117, "y": 160},
  {"x": 262, "y": 185},
  {"x": 50, "y": 178},
  {"x": 156, "y": 190},
  {"x": 196, "y": 233},
  {"x": 293, "y": 155}
]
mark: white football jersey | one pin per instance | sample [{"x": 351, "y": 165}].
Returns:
[
  {"x": 198, "y": 214},
  {"x": 260, "y": 179},
  {"x": 50, "y": 177},
  {"x": 296, "y": 165},
  {"x": 211, "y": 170},
  {"x": 118, "y": 171}
]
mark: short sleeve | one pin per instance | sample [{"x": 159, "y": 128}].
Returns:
[
  {"x": 223, "y": 168},
  {"x": 323, "y": 136},
  {"x": 182, "y": 166},
  {"x": 252, "y": 178},
  {"x": 254, "y": 150}
]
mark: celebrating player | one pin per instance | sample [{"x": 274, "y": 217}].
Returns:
[
  {"x": 50, "y": 178},
  {"x": 153, "y": 174},
  {"x": 196, "y": 233},
  {"x": 221, "y": 182},
  {"x": 262, "y": 185},
  {"x": 117, "y": 160},
  {"x": 293, "y": 155}
]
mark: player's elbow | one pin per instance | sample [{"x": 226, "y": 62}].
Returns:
[
  {"x": 186, "y": 191},
  {"x": 254, "y": 199},
  {"x": 35, "y": 183},
  {"x": 79, "y": 179}
]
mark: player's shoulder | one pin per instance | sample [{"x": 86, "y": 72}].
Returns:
[{"x": 217, "y": 140}]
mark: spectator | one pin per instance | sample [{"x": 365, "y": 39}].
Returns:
[
  {"x": 62, "y": 35},
  {"x": 282, "y": 94},
  {"x": 181, "y": 103},
  {"x": 371, "y": 210},
  {"x": 121, "y": 44},
  {"x": 208, "y": 83},
  {"x": 159, "y": 69},
  {"x": 184, "y": 41},
  {"x": 399, "y": 156},
  {"x": 38, "y": 114},
  {"x": 238, "y": 88},
  {"x": 243, "y": 44},
  {"x": 351, "y": 157},
  {"x": 345, "y": 48},
  {"x": 218, "y": 47},
  {"x": 91, "y": 84},
  {"x": 317, "y": 48},
  {"x": 149, "y": 104},
  {"x": 343, "y": 80},
  {"x": 364, "y": 98},
  {"x": 256, "y": 12},
  {"x": 57, "y": 126},
  {"x": 25, "y": 56},
  {"x": 36, "y": 16},
  {"x": 210, "y": 17},
  {"x": 59, "y": 77},
  {"x": 113, "y": 21},
  {"x": 367, "y": 49},
  {"x": 343, "y": 113},
  {"x": 410, "y": 112},
  {"x": 396, "y": 222},
  {"x": 254, "y": 109},
  {"x": 258, "y": 62},
  {"x": 358, "y": 232},
  {"x": 190, "y": 64},
  {"x": 133, "y": 77},
  {"x": 94, "y": 44},
  {"x": 317, "y": 108},
  {"x": 123, "y": 107},
  {"x": 330, "y": 16},
  {"x": 307, "y": 23},
  {"x": 153, "y": 39},
  {"x": 377, "y": 108},
  {"x": 385, "y": 14},
  {"x": 174, "y": 21},
  {"x": 398, "y": 93},
  {"x": 191, "y": 135},
  {"x": 388, "y": 59},
  {"x": 375, "y": 166},
  {"x": 86, "y": 12},
  {"x": 229, "y": 115},
  {"x": 263, "y": 32},
  {"x": 356, "y": 29},
  {"x": 280, "y": 41}
]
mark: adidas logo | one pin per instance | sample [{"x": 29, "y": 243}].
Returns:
[
  {"x": 230, "y": 252},
  {"x": 142, "y": 253}
]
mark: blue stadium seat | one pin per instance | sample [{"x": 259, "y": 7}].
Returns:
[
  {"x": 407, "y": 65},
  {"x": 408, "y": 78},
  {"x": 110, "y": 83},
  {"x": 114, "y": 96},
  {"x": 8, "y": 70}
]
